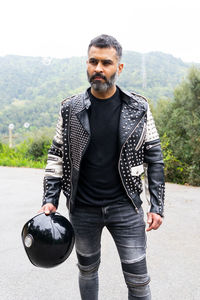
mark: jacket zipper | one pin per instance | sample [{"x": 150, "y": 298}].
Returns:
[
  {"x": 136, "y": 209},
  {"x": 70, "y": 157},
  {"x": 151, "y": 146},
  {"x": 141, "y": 138}
]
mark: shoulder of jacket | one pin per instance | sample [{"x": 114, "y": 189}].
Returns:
[
  {"x": 67, "y": 101},
  {"x": 72, "y": 99},
  {"x": 139, "y": 97},
  {"x": 139, "y": 100}
]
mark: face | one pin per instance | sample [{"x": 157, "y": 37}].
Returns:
[{"x": 103, "y": 68}]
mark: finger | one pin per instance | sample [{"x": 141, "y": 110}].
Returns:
[
  {"x": 152, "y": 226},
  {"x": 47, "y": 211},
  {"x": 149, "y": 219},
  {"x": 155, "y": 225},
  {"x": 149, "y": 228}
]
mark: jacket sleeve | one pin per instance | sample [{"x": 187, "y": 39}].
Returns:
[
  {"x": 54, "y": 169},
  {"x": 154, "y": 168}
]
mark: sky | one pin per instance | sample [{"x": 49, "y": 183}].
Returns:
[{"x": 64, "y": 28}]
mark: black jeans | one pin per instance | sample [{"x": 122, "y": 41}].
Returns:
[{"x": 128, "y": 231}]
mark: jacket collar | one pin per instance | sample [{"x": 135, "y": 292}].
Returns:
[
  {"x": 86, "y": 99},
  {"x": 127, "y": 97},
  {"x": 131, "y": 103}
]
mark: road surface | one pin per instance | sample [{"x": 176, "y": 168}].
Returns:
[{"x": 173, "y": 250}]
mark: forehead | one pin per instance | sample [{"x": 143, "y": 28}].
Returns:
[{"x": 102, "y": 53}]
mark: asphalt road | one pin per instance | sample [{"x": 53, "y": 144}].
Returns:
[{"x": 173, "y": 250}]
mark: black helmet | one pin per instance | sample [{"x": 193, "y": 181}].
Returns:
[{"x": 48, "y": 239}]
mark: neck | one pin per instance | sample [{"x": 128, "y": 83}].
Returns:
[{"x": 104, "y": 95}]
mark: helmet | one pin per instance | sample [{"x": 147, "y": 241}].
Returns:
[{"x": 48, "y": 239}]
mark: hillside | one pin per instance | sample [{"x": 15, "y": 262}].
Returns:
[{"x": 31, "y": 88}]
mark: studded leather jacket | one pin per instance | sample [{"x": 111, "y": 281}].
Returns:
[{"x": 140, "y": 152}]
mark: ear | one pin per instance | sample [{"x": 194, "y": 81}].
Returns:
[{"x": 120, "y": 68}]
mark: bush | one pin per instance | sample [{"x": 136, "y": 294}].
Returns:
[
  {"x": 30, "y": 153},
  {"x": 175, "y": 170},
  {"x": 1, "y": 147},
  {"x": 38, "y": 148}
]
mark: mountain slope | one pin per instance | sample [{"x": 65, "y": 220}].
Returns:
[{"x": 31, "y": 88}]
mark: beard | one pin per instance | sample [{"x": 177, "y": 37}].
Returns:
[{"x": 99, "y": 86}]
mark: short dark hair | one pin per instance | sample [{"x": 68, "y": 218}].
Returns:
[{"x": 106, "y": 41}]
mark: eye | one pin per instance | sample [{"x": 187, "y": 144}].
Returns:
[
  {"x": 93, "y": 61},
  {"x": 107, "y": 62}
]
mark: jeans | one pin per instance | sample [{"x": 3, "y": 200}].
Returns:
[{"x": 128, "y": 231}]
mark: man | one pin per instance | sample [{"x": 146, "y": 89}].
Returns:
[{"x": 104, "y": 138}]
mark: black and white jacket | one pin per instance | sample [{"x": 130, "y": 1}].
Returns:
[{"x": 139, "y": 144}]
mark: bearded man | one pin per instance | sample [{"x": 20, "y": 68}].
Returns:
[{"x": 104, "y": 141}]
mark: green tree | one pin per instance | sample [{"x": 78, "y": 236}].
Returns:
[{"x": 180, "y": 120}]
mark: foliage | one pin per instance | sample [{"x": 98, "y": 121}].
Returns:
[
  {"x": 15, "y": 158},
  {"x": 175, "y": 170},
  {"x": 179, "y": 122},
  {"x": 32, "y": 152},
  {"x": 37, "y": 148}
]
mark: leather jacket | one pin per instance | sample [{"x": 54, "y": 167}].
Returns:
[{"x": 140, "y": 152}]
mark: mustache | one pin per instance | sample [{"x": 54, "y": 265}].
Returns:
[{"x": 97, "y": 75}]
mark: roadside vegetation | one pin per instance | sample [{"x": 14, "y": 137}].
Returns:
[
  {"x": 178, "y": 123},
  {"x": 31, "y": 153}
]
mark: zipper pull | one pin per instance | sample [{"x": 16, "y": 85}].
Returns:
[{"x": 151, "y": 146}]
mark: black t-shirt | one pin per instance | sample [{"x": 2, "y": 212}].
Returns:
[{"x": 99, "y": 181}]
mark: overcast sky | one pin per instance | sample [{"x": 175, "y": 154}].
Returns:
[{"x": 63, "y": 28}]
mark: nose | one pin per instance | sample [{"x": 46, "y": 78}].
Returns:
[{"x": 99, "y": 68}]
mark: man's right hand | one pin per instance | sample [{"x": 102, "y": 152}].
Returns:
[{"x": 48, "y": 209}]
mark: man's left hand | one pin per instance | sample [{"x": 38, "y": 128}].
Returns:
[{"x": 154, "y": 221}]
